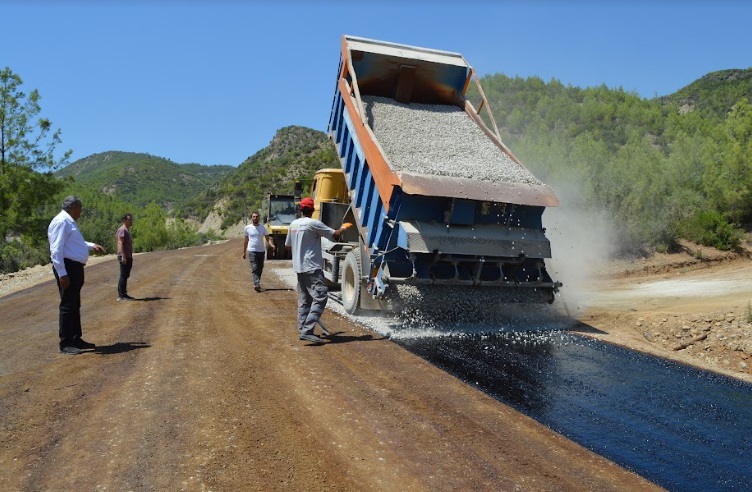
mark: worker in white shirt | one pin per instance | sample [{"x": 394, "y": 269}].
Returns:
[
  {"x": 256, "y": 237},
  {"x": 69, "y": 253}
]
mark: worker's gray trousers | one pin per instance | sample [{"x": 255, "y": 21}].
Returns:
[
  {"x": 312, "y": 297},
  {"x": 257, "y": 266}
]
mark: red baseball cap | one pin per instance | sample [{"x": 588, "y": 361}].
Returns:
[{"x": 306, "y": 203}]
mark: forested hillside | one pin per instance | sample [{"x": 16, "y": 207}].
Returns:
[
  {"x": 295, "y": 153},
  {"x": 660, "y": 169},
  {"x": 714, "y": 93},
  {"x": 141, "y": 179}
]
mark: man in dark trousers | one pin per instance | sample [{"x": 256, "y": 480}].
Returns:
[
  {"x": 125, "y": 256},
  {"x": 304, "y": 239},
  {"x": 256, "y": 237},
  {"x": 69, "y": 253}
]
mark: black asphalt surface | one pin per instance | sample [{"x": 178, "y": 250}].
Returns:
[{"x": 680, "y": 427}]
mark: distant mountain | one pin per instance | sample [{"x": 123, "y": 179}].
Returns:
[
  {"x": 294, "y": 154},
  {"x": 716, "y": 92},
  {"x": 142, "y": 178}
]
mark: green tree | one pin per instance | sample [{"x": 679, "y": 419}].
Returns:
[
  {"x": 27, "y": 158},
  {"x": 150, "y": 230},
  {"x": 26, "y": 148},
  {"x": 728, "y": 176},
  {"x": 182, "y": 234},
  {"x": 23, "y": 141}
]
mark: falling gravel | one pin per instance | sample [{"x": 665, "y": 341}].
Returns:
[
  {"x": 440, "y": 311},
  {"x": 439, "y": 140}
]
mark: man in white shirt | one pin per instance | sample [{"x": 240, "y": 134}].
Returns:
[
  {"x": 69, "y": 253},
  {"x": 304, "y": 239},
  {"x": 254, "y": 247}
]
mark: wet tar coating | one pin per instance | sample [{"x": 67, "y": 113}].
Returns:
[{"x": 680, "y": 427}]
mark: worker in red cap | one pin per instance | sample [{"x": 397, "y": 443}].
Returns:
[{"x": 304, "y": 239}]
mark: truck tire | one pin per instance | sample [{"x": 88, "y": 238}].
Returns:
[{"x": 351, "y": 282}]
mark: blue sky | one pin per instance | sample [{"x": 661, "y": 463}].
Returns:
[{"x": 212, "y": 81}]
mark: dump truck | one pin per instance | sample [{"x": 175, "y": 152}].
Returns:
[
  {"x": 278, "y": 212},
  {"x": 437, "y": 199}
]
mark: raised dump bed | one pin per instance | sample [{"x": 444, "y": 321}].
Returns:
[{"x": 436, "y": 196}]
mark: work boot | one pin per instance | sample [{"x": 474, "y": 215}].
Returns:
[
  {"x": 80, "y": 343},
  {"x": 311, "y": 338}
]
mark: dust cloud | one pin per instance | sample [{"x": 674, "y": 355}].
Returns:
[{"x": 581, "y": 241}]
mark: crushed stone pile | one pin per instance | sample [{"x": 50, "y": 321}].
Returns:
[{"x": 439, "y": 140}]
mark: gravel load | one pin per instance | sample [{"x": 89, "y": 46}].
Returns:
[{"x": 439, "y": 140}]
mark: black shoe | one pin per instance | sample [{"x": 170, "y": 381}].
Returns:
[
  {"x": 311, "y": 338},
  {"x": 70, "y": 350},
  {"x": 123, "y": 298},
  {"x": 82, "y": 344},
  {"x": 257, "y": 288},
  {"x": 129, "y": 297}
]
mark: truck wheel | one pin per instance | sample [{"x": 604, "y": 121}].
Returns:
[{"x": 351, "y": 282}]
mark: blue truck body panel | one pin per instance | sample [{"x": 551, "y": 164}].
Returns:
[{"x": 439, "y": 232}]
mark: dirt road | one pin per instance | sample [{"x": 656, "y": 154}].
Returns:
[{"x": 202, "y": 384}]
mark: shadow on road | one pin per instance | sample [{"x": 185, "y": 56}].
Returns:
[
  {"x": 119, "y": 347},
  {"x": 581, "y": 327},
  {"x": 147, "y": 299},
  {"x": 338, "y": 338}
]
